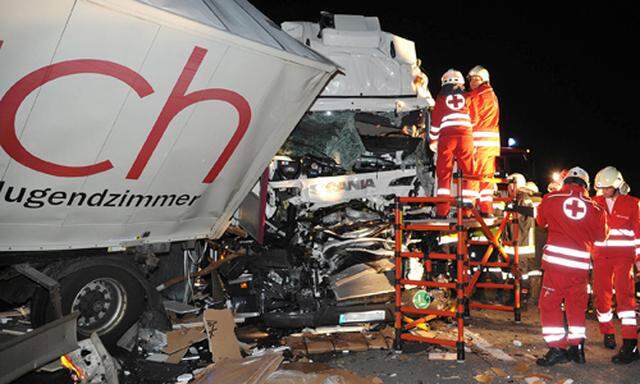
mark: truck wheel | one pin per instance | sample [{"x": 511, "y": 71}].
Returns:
[{"x": 109, "y": 299}]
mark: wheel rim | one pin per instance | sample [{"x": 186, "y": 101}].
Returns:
[{"x": 101, "y": 303}]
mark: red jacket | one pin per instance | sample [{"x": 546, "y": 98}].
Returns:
[
  {"x": 485, "y": 117},
  {"x": 450, "y": 116},
  {"x": 575, "y": 223},
  {"x": 624, "y": 224}
]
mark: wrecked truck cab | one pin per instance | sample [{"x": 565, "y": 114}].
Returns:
[
  {"x": 329, "y": 192},
  {"x": 367, "y": 118},
  {"x": 371, "y": 116}
]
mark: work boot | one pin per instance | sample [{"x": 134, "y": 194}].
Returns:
[
  {"x": 628, "y": 353},
  {"x": 575, "y": 353},
  {"x": 554, "y": 356},
  {"x": 610, "y": 341}
]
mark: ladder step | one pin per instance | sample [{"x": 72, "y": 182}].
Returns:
[
  {"x": 494, "y": 307},
  {"x": 494, "y": 285},
  {"x": 496, "y": 264},
  {"x": 430, "y": 340},
  {"x": 480, "y": 242},
  {"x": 442, "y": 256},
  {"x": 432, "y": 256},
  {"x": 417, "y": 311},
  {"x": 429, "y": 284},
  {"x": 427, "y": 227},
  {"x": 409, "y": 255}
]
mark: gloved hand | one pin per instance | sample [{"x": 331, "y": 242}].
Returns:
[
  {"x": 433, "y": 146},
  {"x": 521, "y": 209}
]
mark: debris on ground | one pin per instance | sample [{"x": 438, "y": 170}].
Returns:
[
  {"x": 486, "y": 347},
  {"x": 483, "y": 378},
  {"x": 448, "y": 356},
  {"x": 251, "y": 370},
  {"x": 308, "y": 373},
  {"x": 538, "y": 379},
  {"x": 179, "y": 341},
  {"x": 316, "y": 343},
  {"x": 220, "y": 328},
  {"x": 522, "y": 368},
  {"x": 499, "y": 372}
]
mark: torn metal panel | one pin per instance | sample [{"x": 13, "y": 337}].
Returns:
[
  {"x": 37, "y": 348},
  {"x": 129, "y": 339},
  {"x": 45, "y": 281},
  {"x": 251, "y": 213},
  {"x": 360, "y": 281}
]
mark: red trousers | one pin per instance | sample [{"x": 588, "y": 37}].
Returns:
[
  {"x": 609, "y": 274},
  {"x": 558, "y": 287},
  {"x": 485, "y": 162},
  {"x": 452, "y": 148}
]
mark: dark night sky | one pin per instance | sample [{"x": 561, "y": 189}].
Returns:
[{"x": 565, "y": 77}]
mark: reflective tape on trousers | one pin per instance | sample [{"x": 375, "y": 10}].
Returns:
[{"x": 566, "y": 263}]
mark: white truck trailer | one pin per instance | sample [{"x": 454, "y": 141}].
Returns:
[{"x": 127, "y": 126}]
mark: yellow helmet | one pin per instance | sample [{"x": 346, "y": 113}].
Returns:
[
  {"x": 530, "y": 187},
  {"x": 452, "y": 77},
  {"x": 481, "y": 72},
  {"x": 609, "y": 177}
]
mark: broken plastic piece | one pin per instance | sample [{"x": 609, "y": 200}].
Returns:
[{"x": 91, "y": 363}]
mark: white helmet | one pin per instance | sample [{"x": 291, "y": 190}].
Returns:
[
  {"x": 519, "y": 178},
  {"x": 481, "y": 72},
  {"x": 624, "y": 188},
  {"x": 452, "y": 77},
  {"x": 609, "y": 177},
  {"x": 579, "y": 173}
]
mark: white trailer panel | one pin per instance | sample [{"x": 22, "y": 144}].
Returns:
[{"x": 125, "y": 121}]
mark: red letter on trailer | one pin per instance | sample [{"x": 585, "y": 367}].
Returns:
[
  {"x": 178, "y": 101},
  {"x": 14, "y": 97}
]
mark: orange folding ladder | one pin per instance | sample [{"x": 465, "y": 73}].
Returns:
[{"x": 464, "y": 282}]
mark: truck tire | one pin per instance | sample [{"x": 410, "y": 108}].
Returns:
[{"x": 109, "y": 298}]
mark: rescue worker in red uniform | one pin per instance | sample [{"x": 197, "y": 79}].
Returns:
[
  {"x": 574, "y": 223},
  {"x": 485, "y": 117},
  {"x": 613, "y": 264},
  {"x": 450, "y": 137}
]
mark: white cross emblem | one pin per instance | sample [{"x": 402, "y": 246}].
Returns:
[
  {"x": 455, "y": 102},
  {"x": 574, "y": 208}
]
